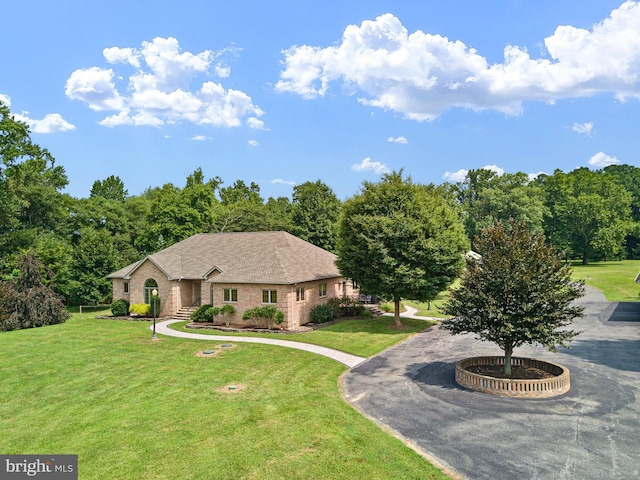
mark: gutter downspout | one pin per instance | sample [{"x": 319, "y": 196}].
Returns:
[{"x": 292, "y": 315}]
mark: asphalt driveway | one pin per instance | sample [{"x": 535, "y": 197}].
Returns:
[{"x": 591, "y": 432}]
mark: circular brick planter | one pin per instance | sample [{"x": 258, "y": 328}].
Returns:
[{"x": 509, "y": 387}]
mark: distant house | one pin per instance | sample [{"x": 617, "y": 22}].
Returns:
[{"x": 246, "y": 270}]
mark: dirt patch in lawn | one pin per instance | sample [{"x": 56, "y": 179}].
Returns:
[{"x": 232, "y": 388}]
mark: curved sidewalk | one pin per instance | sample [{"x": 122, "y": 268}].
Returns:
[{"x": 347, "y": 359}]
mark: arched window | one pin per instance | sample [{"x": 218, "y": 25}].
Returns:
[{"x": 149, "y": 285}]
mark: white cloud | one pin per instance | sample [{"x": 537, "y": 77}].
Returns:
[
  {"x": 422, "y": 75},
  {"x": 458, "y": 176},
  {"x": 461, "y": 174},
  {"x": 533, "y": 176},
  {"x": 51, "y": 123},
  {"x": 95, "y": 87},
  {"x": 253, "y": 143},
  {"x": 367, "y": 165},
  {"x": 200, "y": 138},
  {"x": 222, "y": 71},
  {"x": 283, "y": 182},
  {"x": 584, "y": 128},
  {"x": 494, "y": 168},
  {"x": 159, "y": 92},
  {"x": 400, "y": 139},
  {"x": 602, "y": 160},
  {"x": 256, "y": 123}
]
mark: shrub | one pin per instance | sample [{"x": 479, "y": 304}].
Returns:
[
  {"x": 226, "y": 311},
  {"x": 269, "y": 315},
  {"x": 366, "y": 313},
  {"x": 334, "y": 304},
  {"x": 211, "y": 313},
  {"x": 345, "y": 307},
  {"x": 119, "y": 308},
  {"x": 200, "y": 315},
  {"x": 322, "y": 313},
  {"x": 141, "y": 309},
  {"x": 26, "y": 302}
]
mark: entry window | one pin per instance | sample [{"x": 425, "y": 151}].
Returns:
[
  {"x": 149, "y": 286},
  {"x": 269, "y": 296},
  {"x": 125, "y": 287},
  {"x": 322, "y": 290},
  {"x": 300, "y": 294},
  {"x": 230, "y": 295}
]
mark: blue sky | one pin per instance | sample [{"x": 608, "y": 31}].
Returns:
[{"x": 282, "y": 92}]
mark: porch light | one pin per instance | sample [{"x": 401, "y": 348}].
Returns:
[{"x": 154, "y": 294}]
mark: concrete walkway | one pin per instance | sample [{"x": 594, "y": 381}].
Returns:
[
  {"x": 347, "y": 359},
  {"x": 589, "y": 433}
]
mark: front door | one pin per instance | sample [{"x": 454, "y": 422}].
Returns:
[{"x": 197, "y": 292}]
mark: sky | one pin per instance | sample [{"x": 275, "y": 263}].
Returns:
[{"x": 282, "y": 92}]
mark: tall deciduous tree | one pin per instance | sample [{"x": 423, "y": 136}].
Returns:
[
  {"x": 111, "y": 188},
  {"x": 398, "y": 239},
  {"x": 629, "y": 177},
  {"x": 487, "y": 197},
  {"x": 519, "y": 292},
  {"x": 590, "y": 212},
  {"x": 316, "y": 210},
  {"x": 30, "y": 183}
]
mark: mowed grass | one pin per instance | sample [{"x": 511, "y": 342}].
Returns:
[
  {"x": 363, "y": 337},
  {"x": 615, "y": 279},
  {"x": 132, "y": 408}
]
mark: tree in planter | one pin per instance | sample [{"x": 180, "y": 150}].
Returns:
[
  {"x": 269, "y": 315},
  {"x": 519, "y": 292},
  {"x": 398, "y": 239}
]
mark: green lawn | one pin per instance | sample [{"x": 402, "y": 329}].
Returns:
[
  {"x": 363, "y": 337},
  {"x": 136, "y": 409},
  {"x": 615, "y": 279}
]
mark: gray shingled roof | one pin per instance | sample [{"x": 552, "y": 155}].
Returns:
[{"x": 244, "y": 257}]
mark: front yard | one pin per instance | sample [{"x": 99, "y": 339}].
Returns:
[{"x": 132, "y": 408}]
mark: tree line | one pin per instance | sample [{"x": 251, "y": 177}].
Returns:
[{"x": 591, "y": 215}]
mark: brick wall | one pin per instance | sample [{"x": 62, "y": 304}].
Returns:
[
  {"x": 296, "y": 313},
  {"x": 166, "y": 289}
]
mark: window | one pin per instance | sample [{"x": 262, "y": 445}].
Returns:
[
  {"x": 230, "y": 295},
  {"x": 269, "y": 296},
  {"x": 322, "y": 290},
  {"x": 300, "y": 294},
  {"x": 125, "y": 287},
  {"x": 149, "y": 286}
]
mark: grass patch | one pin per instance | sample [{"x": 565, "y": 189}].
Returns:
[
  {"x": 615, "y": 279},
  {"x": 363, "y": 337},
  {"x": 434, "y": 309},
  {"x": 132, "y": 408}
]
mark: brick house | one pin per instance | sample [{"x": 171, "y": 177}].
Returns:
[{"x": 247, "y": 270}]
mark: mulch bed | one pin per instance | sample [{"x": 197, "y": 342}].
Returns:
[{"x": 517, "y": 372}]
